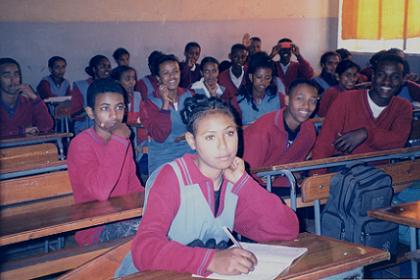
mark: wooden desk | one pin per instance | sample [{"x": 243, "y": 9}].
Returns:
[
  {"x": 46, "y": 222},
  {"x": 325, "y": 257},
  {"x": 406, "y": 214}
]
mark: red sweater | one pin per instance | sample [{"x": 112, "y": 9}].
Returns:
[
  {"x": 99, "y": 171},
  {"x": 27, "y": 113},
  {"x": 351, "y": 111},
  {"x": 328, "y": 98},
  {"x": 299, "y": 69},
  {"x": 230, "y": 88},
  {"x": 268, "y": 219},
  {"x": 266, "y": 143},
  {"x": 142, "y": 88}
]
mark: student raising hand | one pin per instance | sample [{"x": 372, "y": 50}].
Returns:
[
  {"x": 348, "y": 142},
  {"x": 235, "y": 171},
  {"x": 232, "y": 261}
]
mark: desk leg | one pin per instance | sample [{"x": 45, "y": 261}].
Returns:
[
  {"x": 268, "y": 183},
  {"x": 60, "y": 148},
  {"x": 317, "y": 216},
  {"x": 413, "y": 247}
]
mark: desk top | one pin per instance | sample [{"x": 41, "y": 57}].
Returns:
[
  {"x": 46, "y": 222},
  {"x": 34, "y": 138},
  {"x": 405, "y": 213},
  {"x": 325, "y": 257}
]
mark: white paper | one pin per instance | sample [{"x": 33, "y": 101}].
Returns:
[
  {"x": 272, "y": 261},
  {"x": 57, "y": 99}
]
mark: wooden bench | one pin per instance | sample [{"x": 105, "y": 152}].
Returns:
[{"x": 28, "y": 160}]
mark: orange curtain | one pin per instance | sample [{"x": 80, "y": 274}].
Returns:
[{"x": 380, "y": 19}]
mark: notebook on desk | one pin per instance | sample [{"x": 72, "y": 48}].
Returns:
[{"x": 272, "y": 261}]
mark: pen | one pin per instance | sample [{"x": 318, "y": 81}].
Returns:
[{"x": 231, "y": 237}]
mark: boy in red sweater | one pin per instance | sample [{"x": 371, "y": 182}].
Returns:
[
  {"x": 21, "y": 110},
  {"x": 100, "y": 159},
  {"x": 368, "y": 120}
]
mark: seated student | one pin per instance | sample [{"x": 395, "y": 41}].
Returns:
[
  {"x": 54, "y": 84},
  {"x": 208, "y": 85},
  {"x": 286, "y": 135},
  {"x": 100, "y": 160},
  {"x": 344, "y": 54},
  {"x": 21, "y": 110},
  {"x": 99, "y": 68},
  {"x": 149, "y": 83},
  {"x": 253, "y": 44},
  {"x": 329, "y": 61},
  {"x": 121, "y": 57},
  {"x": 286, "y": 69},
  {"x": 368, "y": 120},
  {"x": 234, "y": 77},
  {"x": 347, "y": 72},
  {"x": 190, "y": 69},
  {"x": 190, "y": 199},
  {"x": 160, "y": 115},
  {"x": 260, "y": 95}
]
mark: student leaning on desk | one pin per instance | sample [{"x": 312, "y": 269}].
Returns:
[{"x": 189, "y": 200}]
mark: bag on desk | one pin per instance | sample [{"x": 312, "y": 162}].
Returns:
[{"x": 354, "y": 191}]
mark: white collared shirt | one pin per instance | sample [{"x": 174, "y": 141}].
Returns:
[
  {"x": 236, "y": 81},
  {"x": 284, "y": 67},
  {"x": 200, "y": 85},
  {"x": 376, "y": 110}
]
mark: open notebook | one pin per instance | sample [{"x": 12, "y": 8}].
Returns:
[{"x": 272, "y": 261}]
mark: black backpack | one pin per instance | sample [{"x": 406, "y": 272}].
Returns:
[{"x": 354, "y": 191}]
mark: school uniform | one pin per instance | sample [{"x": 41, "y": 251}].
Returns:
[
  {"x": 231, "y": 89},
  {"x": 99, "y": 171},
  {"x": 189, "y": 75},
  {"x": 47, "y": 88},
  {"x": 180, "y": 210},
  {"x": 78, "y": 103},
  {"x": 328, "y": 98},
  {"x": 200, "y": 88},
  {"x": 266, "y": 143},
  {"x": 147, "y": 85},
  {"x": 296, "y": 69},
  {"x": 164, "y": 127},
  {"x": 352, "y": 111},
  {"x": 26, "y": 113}
]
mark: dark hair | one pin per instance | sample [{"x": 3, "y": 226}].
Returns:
[
  {"x": 94, "y": 62},
  {"x": 252, "y": 39},
  {"x": 119, "y": 52},
  {"x": 374, "y": 59},
  {"x": 165, "y": 58},
  {"x": 397, "y": 51},
  {"x": 151, "y": 61},
  {"x": 389, "y": 57},
  {"x": 9, "y": 60},
  {"x": 198, "y": 106},
  {"x": 343, "y": 65},
  {"x": 343, "y": 53},
  {"x": 295, "y": 83},
  {"x": 101, "y": 86},
  {"x": 191, "y": 45},
  {"x": 237, "y": 47},
  {"x": 54, "y": 59},
  {"x": 208, "y": 59},
  {"x": 326, "y": 55},
  {"x": 257, "y": 61},
  {"x": 284, "y": 40},
  {"x": 118, "y": 71}
]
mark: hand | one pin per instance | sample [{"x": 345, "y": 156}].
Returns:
[
  {"x": 191, "y": 62},
  {"x": 138, "y": 120},
  {"x": 122, "y": 130},
  {"x": 348, "y": 142},
  {"x": 232, "y": 261},
  {"x": 295, "y": 50},
  {"x": 235, "y": 170},
  {"x": 27, "y": 91},
  {"x": 166, "y": 97},
  {"x": 246, "y": 40},
  {"x": 275, "y": 50},
  {"x": 32, "y": 130}
]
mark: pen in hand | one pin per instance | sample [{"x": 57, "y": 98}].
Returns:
[{"x": 232, "y": 238}]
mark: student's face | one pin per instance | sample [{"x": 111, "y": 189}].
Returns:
[
  {"x": 238, "y": 57},
  {"x": 285, "y": 55},
  {"x": 387, "y": 80},
  {"x": 261, "y": 79},
  {"x": 108, "y": 112},
  {"x": 123, "y": 60},
  {"x": 169, "y": 74},
  {"x": 255, "y": 47},
  {"x": 210, "y": 73},
  {"x": 301, "y": 103},
  {"x": 193, "y": 54},
  {"x": 215, "y": 140},
  {"x": 59, "y": 69},
  {"x": 330, "y": 64},
  {"x": 9, "y": 78},
  {"x": 128, "y": 80},
  {"x": 348, "y": 79},
  {"x": 103, "y": 69}
]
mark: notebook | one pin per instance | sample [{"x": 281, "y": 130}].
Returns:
[{"x": 272, "y": 261}]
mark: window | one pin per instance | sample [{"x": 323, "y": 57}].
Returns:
[{"x": 373, "y": 25}]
